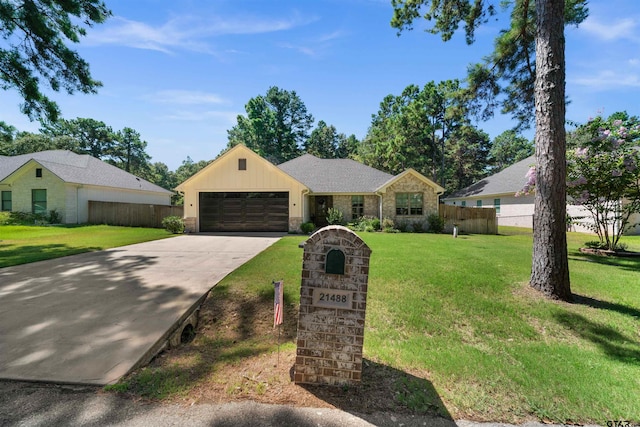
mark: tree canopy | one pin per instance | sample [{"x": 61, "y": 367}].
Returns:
[
  {"x": 427, "y": 129},
  {"x": 34, "y": 50},
  {"x": 276, "y": 125},
  {"x": 604, "y": 174},
  {"x": 505, "y": 78}
]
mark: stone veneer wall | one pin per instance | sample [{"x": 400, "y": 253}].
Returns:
[
  {"x": 330, "y": 339},
  {"x": 294, "y": 224},
  {"x": 344, "y": 204},
  {"x": 410, "y": 184},
  {"x": 190, "y": 225}
]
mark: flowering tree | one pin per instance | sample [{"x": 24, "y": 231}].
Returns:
[{"x": 603, "y": 174}]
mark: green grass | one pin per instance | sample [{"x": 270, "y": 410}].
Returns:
[
  {"x": 20, "y": 244},
  {"x": 460, "y": 312}
]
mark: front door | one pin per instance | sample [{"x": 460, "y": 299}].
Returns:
[{"x": 321, "y": 207}]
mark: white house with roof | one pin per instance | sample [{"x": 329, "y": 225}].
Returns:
[
  {"x": 241, "y": 191},
  {"x": 499, "y": 191},
  {"x": 65, "y": 181}
]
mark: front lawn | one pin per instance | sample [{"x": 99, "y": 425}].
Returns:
[
  {"x": 21, "y": 244},
  {"x": 452, "y": 328}
]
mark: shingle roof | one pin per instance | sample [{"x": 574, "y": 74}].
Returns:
[
  {"x": 508, "y": 180},
  {"x": 79, "y": 169},
  {"x": 335, "y": 175}
]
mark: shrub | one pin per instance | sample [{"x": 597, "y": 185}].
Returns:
[
  {"x": 402, "y": 226},
  {"x": 387, "y": 223},
  {"x": 418, "y": 227},
  {"x": 307, "y": 227},
  {"x": 22, "y": 218},
  {"x": 54, "y": 217},
  {"x": 365, "y": 223},
  {"x": 173, "y": 224},
  {"x": 335, "y": 216},
  {"x": 436, "y": 224}
]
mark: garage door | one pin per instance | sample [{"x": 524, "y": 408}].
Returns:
[{"x": 264, "y": 211}]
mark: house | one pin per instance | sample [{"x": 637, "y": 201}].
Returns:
[
  {"x": 499, "y": 191},
  {"x": 64, "y": 181},
  {"x": 241, "y": 191}
]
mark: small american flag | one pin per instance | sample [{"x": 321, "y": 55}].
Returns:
[{"x": 278, "y": 301}]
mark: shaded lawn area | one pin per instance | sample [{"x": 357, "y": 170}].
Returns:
[
  {"x": 21, "y": 244},
  {"x": 452, "y": 329}
]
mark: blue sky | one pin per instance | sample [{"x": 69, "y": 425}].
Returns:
[{"x": 180, "y": 71}]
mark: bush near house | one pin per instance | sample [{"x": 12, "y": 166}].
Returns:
[{"x": 173, "y": 224}]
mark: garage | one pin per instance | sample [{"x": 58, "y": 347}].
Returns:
[{"x": 244, "y": 211}]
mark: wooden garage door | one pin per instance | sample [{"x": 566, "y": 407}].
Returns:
[{"x": 264, "y": 211}]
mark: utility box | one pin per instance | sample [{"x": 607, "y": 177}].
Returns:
[{"x": 333, "y": 303}]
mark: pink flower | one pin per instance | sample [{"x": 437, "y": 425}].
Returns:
[
  {"x": 582, "y": 152},
  {"x": 617, "y": 122}
]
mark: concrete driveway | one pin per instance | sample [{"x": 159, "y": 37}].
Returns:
[{"x": 90, "y": 318}]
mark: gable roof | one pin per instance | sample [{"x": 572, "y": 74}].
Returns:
[
  {"x": 335, "y": 175},
  {"x": 78, "y": 169},
  {"x": 245, "y": 151},
  {"x": 508, "y": 180},
  {"x": 438, "y": 189}
]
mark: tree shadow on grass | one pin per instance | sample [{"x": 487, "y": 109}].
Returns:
[
  {"x": 384, "y": 390},
  {"x": 23, "y": 254},
  {"x": 606, "y": 305},
  {"x": 613, "y": 343}
]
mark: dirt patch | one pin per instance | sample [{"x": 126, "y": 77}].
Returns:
[{"x": 235, "y": 357}]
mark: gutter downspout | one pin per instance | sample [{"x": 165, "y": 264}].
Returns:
[
  {"x": 305, "y": 192},
  {"x": 379, "y": 194}
]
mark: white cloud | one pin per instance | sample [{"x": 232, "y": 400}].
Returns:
[
  {"x": 608, "y": 79},
  {"x": 625, "y": 29},
  {"x": 184, "y": 33},
  {"x": 228, "y": 117},
  {"x": 316, "y": 46},
  {"x": 185, "y": 97}
]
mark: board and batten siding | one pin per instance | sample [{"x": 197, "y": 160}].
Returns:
[{"x": 224, "y": 175}]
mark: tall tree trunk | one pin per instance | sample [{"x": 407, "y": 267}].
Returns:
[{"x": 550, "y": 267}]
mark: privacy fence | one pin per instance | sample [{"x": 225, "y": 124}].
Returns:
[
  {"x": 131, "y": 214},
  {"x": 469, "y": 219}
]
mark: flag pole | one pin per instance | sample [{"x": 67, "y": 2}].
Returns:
[{"x": 278, "y": 305}]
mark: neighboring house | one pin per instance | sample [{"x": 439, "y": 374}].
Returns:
[
  {"x": 64, "y": 181},
  {"x": 498, "y": 191},
  {"x": 241, "y": 191}
]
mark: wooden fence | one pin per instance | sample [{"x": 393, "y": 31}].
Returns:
[
  {"x": 469, "y": 219},
  {"x": 131, "y": 214}
]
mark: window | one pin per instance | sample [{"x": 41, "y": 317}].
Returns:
[
  {"x": 39, "y": 173},
  {"x": 39, "y": 201},
  {"x": 408, "y": 203},
  {"x": 6, "y": 201},
  {"x": 496, "y": 204},
  {"x": 357, "y": 206},
  {"x": 479, "y": 203},
  {"x": 242, "y": 164},
  {"x": 464, "y": 203}
]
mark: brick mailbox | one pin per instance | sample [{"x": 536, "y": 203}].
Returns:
[{"x": 333, "y": 302}]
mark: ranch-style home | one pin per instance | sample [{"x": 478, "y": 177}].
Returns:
[
  {"x": 64, "y": 181},
  {"x": 499, "y": 191},
  {"x": 241, "y": 191}
]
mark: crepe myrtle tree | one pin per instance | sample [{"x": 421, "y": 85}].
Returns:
[{"x": 603, "y": 175}]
